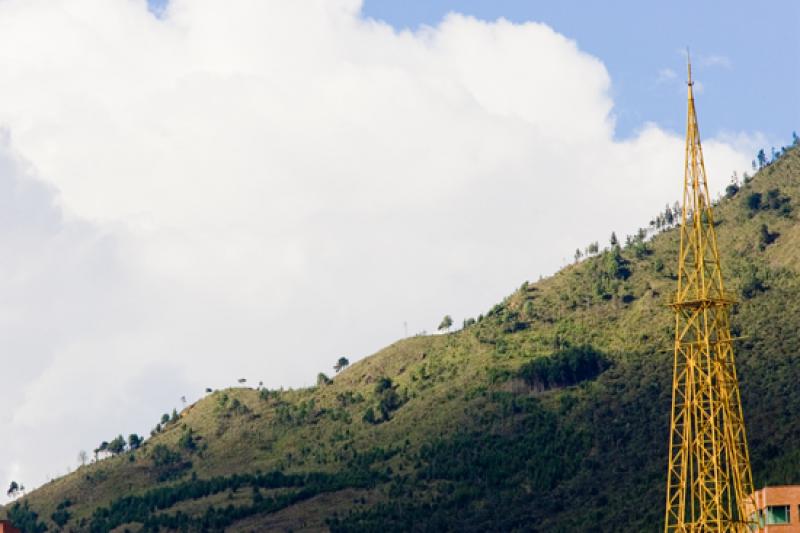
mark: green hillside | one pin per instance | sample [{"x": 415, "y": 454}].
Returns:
[{"x": 549, "y": 413}]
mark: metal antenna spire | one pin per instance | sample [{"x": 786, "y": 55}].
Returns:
[
  {"x": 709, "y": 481},
  {"x": 689, "y": 67}
]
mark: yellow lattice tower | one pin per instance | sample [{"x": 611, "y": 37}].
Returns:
[{"x": 709, "y": 482}]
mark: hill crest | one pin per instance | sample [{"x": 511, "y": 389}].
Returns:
[{"x": 533, "y": 414}]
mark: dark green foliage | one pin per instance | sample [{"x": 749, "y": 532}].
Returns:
[
  {"x": 534, "y": 467},
  {"x": 774, "y": 200},
  {"x": 731, "y": 190},
  {"x": 102, "y": 448},
  {"x": 607, "y": 272},
  {"x": 23, "y": 517},
  {"x": 60, "y": 517},
  {"x": 163, "y": 456},
  {"x": 616, "y": 266},
  {"x": 383, "y": 384},
  {"x": 778, "y": 202},
  {"x": 753, "y": 282},
  {"x": 669, "y": 216},
  {"x": 147, "y": 508},
  {"x": 135, "y": 441},
  {"x": 753, "y": 201},
  {"x": 349, "y": 398},
  {"x": 369, "y": 416},
  {"x": 479, "y": 475},
  {"x": 510, "y": 321},
  {"x": 117, "y": 445},
  {"x": 766, "y": 237},
  {"x": 341, "y": 364},
  {"x": 239, "y": 408},
  {"x": 640, "y": 249},
  {"x": 168, "y": 464},
  {"x": 266, "y": 394},
  {"x": 762, "y": 159},
  {"x": 388, "y": 401},
  {"x": 564, "y": 368},
  {"x": 499, "y": 375},
  {"x": 187, "y": 440}
]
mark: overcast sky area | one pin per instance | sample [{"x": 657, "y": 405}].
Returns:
[{"x": 204, "y": 191}]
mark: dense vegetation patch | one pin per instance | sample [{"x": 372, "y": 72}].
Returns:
[
  {"x": 479, "y": 474},
  {"x": 144, "y": 509},
  {"x": 564, "y": 368},
  {"x": 23, "y": 517}
]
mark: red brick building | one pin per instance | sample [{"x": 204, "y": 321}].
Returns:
[
  {"x": 778, "y": 509},
  {"x": 6, "y": 527}
]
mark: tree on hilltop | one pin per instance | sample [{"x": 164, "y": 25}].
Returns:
[
  {"x": 341, "y": 364},
  {"x": 102, "y": 448},
  {"x": 762, "y": 159},
  {"x": 117, "y": 446},
  {"x": 135, "y": 441},
  {"x": 447, "y": 323}
]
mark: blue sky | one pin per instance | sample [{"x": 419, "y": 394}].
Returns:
[{"x": 746, "y": 54}]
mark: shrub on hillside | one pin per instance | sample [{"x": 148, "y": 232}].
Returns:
[
  {"x": 564, "y": 368},
  {"x": 60, "y": 517},
  {"x": 23, "y": 517},
  {"x": 753, "y": 201},
  {"x": 766, "y": 237},
  {"x": 187, "y": 440},
  {"x": 163, "y": 456},
  {"x": 387, "y": 401},
  {"x": 773, "y": 200}
]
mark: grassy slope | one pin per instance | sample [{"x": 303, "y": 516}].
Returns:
[{"x": 473, "y": 447}]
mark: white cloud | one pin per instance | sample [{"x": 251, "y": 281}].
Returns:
[
  {"x": 253, "y": 191},
  {"x": 666, "y": 75},
  {"x": 697, "y": 87},
  {"x": 715, "y": 60}
]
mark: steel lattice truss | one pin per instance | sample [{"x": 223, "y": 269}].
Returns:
[{"x": 709, "y": 481}]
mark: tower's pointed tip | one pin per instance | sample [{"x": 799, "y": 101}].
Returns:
[{"x": 688, "y": 66}]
